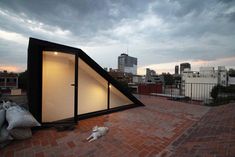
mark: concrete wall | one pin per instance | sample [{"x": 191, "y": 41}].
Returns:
[
  {"x": 201, "y": 87},
  {"x": 149, "y": 88}
]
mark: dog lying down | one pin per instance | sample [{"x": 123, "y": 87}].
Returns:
[{"x": 97, "y": 132}]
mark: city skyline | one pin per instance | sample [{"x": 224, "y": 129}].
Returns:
[{"x": 160, "y": 34}]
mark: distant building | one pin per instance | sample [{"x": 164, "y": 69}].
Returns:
[
  {"x": 184, "y": 66},
  {"x": 8, "y": 80},
  {"x": 137, "y": 79},
  {"x": 207, "y": 72},
  {"x": 176, "y": 70},
  {"x": 198, "y": 85},
  {"x": 222, "y": 76},
  {"x": 127, "y": 64},
  {"x": 207, "y": 75},
  {"x": 121, "y": 76},
  {"x": 151, "y": 76},
  {"x": 188, "y": 74}
]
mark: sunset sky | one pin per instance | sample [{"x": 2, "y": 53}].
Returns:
[{"x": 160, "y": 33}]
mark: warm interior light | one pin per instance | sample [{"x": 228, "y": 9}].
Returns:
[
  {"x": 55, "y": 53},
  {"x": 109, "y": 86}
]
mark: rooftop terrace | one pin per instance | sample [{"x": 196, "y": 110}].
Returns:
[{"x": 161, "y": 128}]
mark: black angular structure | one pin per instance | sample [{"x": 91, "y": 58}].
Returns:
[{"x": 66, "y": 85}]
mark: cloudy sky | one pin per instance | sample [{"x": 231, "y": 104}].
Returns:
[{"x": 159, "y": 33}]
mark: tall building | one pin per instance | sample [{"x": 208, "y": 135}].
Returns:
[
  {"x": 184, "y": 66},
  {"x": 176, "y": 70},
  {"x": 127, "y": 64}
]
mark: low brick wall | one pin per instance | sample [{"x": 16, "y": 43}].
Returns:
[{"x": 20, "y": 99}]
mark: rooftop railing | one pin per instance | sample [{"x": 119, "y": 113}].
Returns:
[{"x": 196, "y": 93}]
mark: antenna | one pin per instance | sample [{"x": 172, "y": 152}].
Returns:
[{"x": 127, "y": 50}]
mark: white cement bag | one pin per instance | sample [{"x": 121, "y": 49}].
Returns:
[
  {"x": 18, "y": 117},
  {"x": 21, "y": 133},
  {"x": 4, "y": 135}
]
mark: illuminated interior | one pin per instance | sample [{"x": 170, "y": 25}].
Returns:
[
  {"x": 92, "y": 90},
  {"x": 118, "y": 99},
  {"x": 57, "y": 92}
]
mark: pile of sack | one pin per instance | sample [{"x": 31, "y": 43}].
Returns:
[{"x": 15, "y": 123}]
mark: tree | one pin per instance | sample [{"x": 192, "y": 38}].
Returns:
[
  {"x": 23, "y": 80},
  {"x": 215, "y": 92},
  {"x": 231, "y": 72},
  {"x": 168, "y": 78}
]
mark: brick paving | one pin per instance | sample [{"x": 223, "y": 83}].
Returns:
[
  {"x": 212, "y": 136},
  {"x": 142, "y": 131}
]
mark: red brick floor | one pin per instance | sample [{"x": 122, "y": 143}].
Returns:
[
  {"x": 142, "y": 131},
  {"x": 212, "y": 136}
]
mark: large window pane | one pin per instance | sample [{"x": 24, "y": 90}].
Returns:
[
  {"x": 117, "y": 99},
  {"x": 57, "y": 92},
  {"x": 92, "y": 90}
]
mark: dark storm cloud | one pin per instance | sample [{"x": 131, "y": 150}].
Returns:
[
  {"x": 226, "y": 1},
  {"x": 155, "y": 31},
  {"x": 208, "y": 24},
  {"x": 182, "y": 8},
  {"x": 83, "y": 17},
  {"x": 196, "y": 17}
]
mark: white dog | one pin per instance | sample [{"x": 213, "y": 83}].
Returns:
[{"x": 97, "y": 132}]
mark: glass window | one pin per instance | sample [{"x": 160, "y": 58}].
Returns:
[
  {"x": 92, "y": 90},
  {"x": 11, "y": 80},
  {"x": 2, "y": 80}
]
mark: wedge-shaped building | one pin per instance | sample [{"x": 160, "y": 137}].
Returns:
[{"x": 66, "y": 85}]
